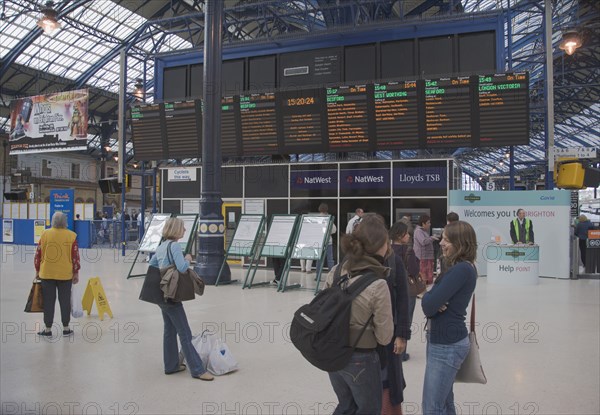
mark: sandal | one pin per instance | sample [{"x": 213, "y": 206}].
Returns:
[
  {"x": 181, "y": 368},
  {"x": 205, "y": 376}
]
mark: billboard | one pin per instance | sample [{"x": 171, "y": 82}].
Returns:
[{"x": 52, "y": 122}]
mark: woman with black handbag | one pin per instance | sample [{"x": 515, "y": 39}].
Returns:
[{"x": 175, "y": 319}]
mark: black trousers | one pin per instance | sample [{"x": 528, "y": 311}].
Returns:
[
  {"x": 49, "y": 288},
  {"x": 278, "y": 265},
  {"x": 583, "y": 249}
]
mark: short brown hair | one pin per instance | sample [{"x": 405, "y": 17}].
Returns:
[
  {"x": 174, "y": 227},
  {"x": 452, "y": 217},
  {"x": 462, "y": 237},
  {"x": 423, "y": 219}
]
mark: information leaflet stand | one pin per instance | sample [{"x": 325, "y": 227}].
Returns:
[
  {"x": 277, "y": 244},
  {"x": 310, "y": 243},
  {"x": 244, "y": 242},
  {"x": 152, "y": 238},
  {"x": 190, "y": 222}
]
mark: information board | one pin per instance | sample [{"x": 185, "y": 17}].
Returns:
[
  {"x": 153, "y": 233},
  {"x": 279, "y": 236},
  {"x": 183, "y": 121},
  {"x": 313, "y": 234},
  {"x": 245, "y": 235},
  {"x": 503, "y": 109},
  {"x": 187, "y": 240},
  {"x": 147, "y": 122},
  {"x": 448, "y": 112},
  {"x": 347, "y": 118},
  {"x": 397, "y": 114},
  {"x": 229, "y": 127},
  {"x": 302, "y": 121},
  {"x": 259, "y": 124}
]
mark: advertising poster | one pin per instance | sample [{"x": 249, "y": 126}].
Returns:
[
  {"x": 490, "y": 214},
  {"x": 39, "y": 225},
  {"x": 63, "y": 201},
  {"x": 53, "y": 122},
  {"x": 7, "y": 231}
]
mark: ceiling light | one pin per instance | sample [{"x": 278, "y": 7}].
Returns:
[
  {"x": 48, "y": 21},
  {"x": 570, "y": 42},
  {"x": 139, "y": 90}
]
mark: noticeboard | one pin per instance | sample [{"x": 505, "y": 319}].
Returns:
[
  {"x": 314, "y": 230},
  {"x": 245, "y": 236},
  {"x": 153, "y": 234},
  {"x": 190, "y": 222},
  {"x": 279, "y": 236}
]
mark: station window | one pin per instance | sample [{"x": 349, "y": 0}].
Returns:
[{"x": 75, "y": 169}]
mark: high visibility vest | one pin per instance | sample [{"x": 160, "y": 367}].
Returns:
[{"x": 518, "y": 229}]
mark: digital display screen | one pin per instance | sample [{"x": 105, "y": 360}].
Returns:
[
  {"x": 302, "y": 121},
  {"x": 259, "y": 124},
  {"x": 147, "y": 123},
  {"x": 347, "y": 118},
  {"x": 448, "y": 112},
  {"x": 503, "y": 109},
  {"x": 229, "y": 127},
  {"x": 396, "y": 115},
  {"x": 184, "y": 129}
]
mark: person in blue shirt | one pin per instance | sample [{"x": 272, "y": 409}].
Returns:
[
  {"x": 174, "y": 316},
  {"x": 445, "y": 305}
]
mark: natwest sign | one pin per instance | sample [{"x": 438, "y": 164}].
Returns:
[
  {"x": 352, "y": 179},
  {"x": 307, "y": 179}
]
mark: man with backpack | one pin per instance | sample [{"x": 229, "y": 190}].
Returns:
[
  {"x": 340, "y": 330},
  {"x": 353, "y": 223}
]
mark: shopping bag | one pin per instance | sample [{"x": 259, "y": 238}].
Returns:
[
  {"x": 35, "y": 302},
  {"x": 204, "y": 343},
  {"x": 76, "y": 305},
  {"x": 220, "y": 360}
]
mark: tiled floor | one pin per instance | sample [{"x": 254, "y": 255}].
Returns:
[{"x": 540, "y": 348}]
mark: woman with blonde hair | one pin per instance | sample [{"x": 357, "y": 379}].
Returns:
[
  {"x": 445, "y": 305},
  {"x": 176, "y": 324},
  {"x": 57, "y": 265}
]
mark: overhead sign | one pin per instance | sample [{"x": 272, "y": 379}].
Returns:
[
  {"x": 365, "y": 179},
  {"x": 63, "y": 201},
  {"x": 306, "y": 179},
  {"x": 179, "y": 174},
  {"x": 578, "y": 152},
  {"x": 420, "y": 177},
  {"x": 53, "y": 122}
]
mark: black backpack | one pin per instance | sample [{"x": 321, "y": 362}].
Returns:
[{"x": 321, "y": 329}]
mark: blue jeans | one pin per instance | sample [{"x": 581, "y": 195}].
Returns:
[
  {"x": 329, "y": 255},
  {"x": 176, "y": 323},
  {"x": 443, "y": 362},
  {"x": 358, "y": 385}
]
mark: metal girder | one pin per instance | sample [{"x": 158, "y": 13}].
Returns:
[{"x": 63, "y": 10}]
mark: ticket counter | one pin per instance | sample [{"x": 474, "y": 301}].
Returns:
[{"x": 513, "y": 264}]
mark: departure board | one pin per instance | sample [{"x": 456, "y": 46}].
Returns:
[
  {"x": 147, "y": 124},
  {"x": 503, "y": 109},
  {"x": 347, "y": 118},
  {"x": 448, "y": 112},
  {"x": 183, "y": 121},
  {"x": 302, "y": 121},
  {"x": 396, "y": 115},
  {"x": 259, "y": 124},
  {"x": 229, "y": 127}
]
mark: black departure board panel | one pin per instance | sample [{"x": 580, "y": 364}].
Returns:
[
  {"x": 183, "y": 120},
  {"x": 448, "y": 112},
  {"x": 230, "y": 127},
  {"x": 147, "y": 126},
  {"x": 396, "y": 115},
  {"x": 302, "y": 121},
  {"x": 481, "y": 110},
  {"x": 259, "y": 124},
  {"x": 347, "y": 118},
  {"x": 503, "y": 117}
]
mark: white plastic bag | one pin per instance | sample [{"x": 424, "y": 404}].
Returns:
[
  {"x": 204, "y": 343},
  {"x": 220, "y": 360},
  {"x": 76, "y": 307}
]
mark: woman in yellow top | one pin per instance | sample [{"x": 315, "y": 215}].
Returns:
[{"x": 57, "y": 265}]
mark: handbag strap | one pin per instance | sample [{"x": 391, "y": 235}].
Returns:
[
  {"x": 472, "y": 328},
  {"x": 169, "y": 254}
]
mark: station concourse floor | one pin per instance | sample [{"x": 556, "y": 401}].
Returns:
[{"x": 540, "y": 347}]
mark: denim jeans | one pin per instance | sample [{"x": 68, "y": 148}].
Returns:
[
  {"x": 443, "y": 362},
  {"x": 329, "y": 255},
  {"x": 358, "y": 385},
  {"x": 176, "y": 323}
]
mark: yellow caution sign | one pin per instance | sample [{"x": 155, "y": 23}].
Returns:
[{"x": 95, "y": 291}]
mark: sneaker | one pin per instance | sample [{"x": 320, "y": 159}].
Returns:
[
  {"x": 205, "y": 376},
  {"x": 274, "y": 282},
  {"x": 67, "y": 332},
  {"x": 46, "y": 333}
]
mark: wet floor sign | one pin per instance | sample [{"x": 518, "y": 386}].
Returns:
[{"x": 95, "y": 291}]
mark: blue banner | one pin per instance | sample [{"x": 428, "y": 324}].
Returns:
[
  {"x": 371, "y": 179},
  {"x": 313, "y": 180},
  {"x": 63, "y": 201},
  {"x": 420, "y": 177}
]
